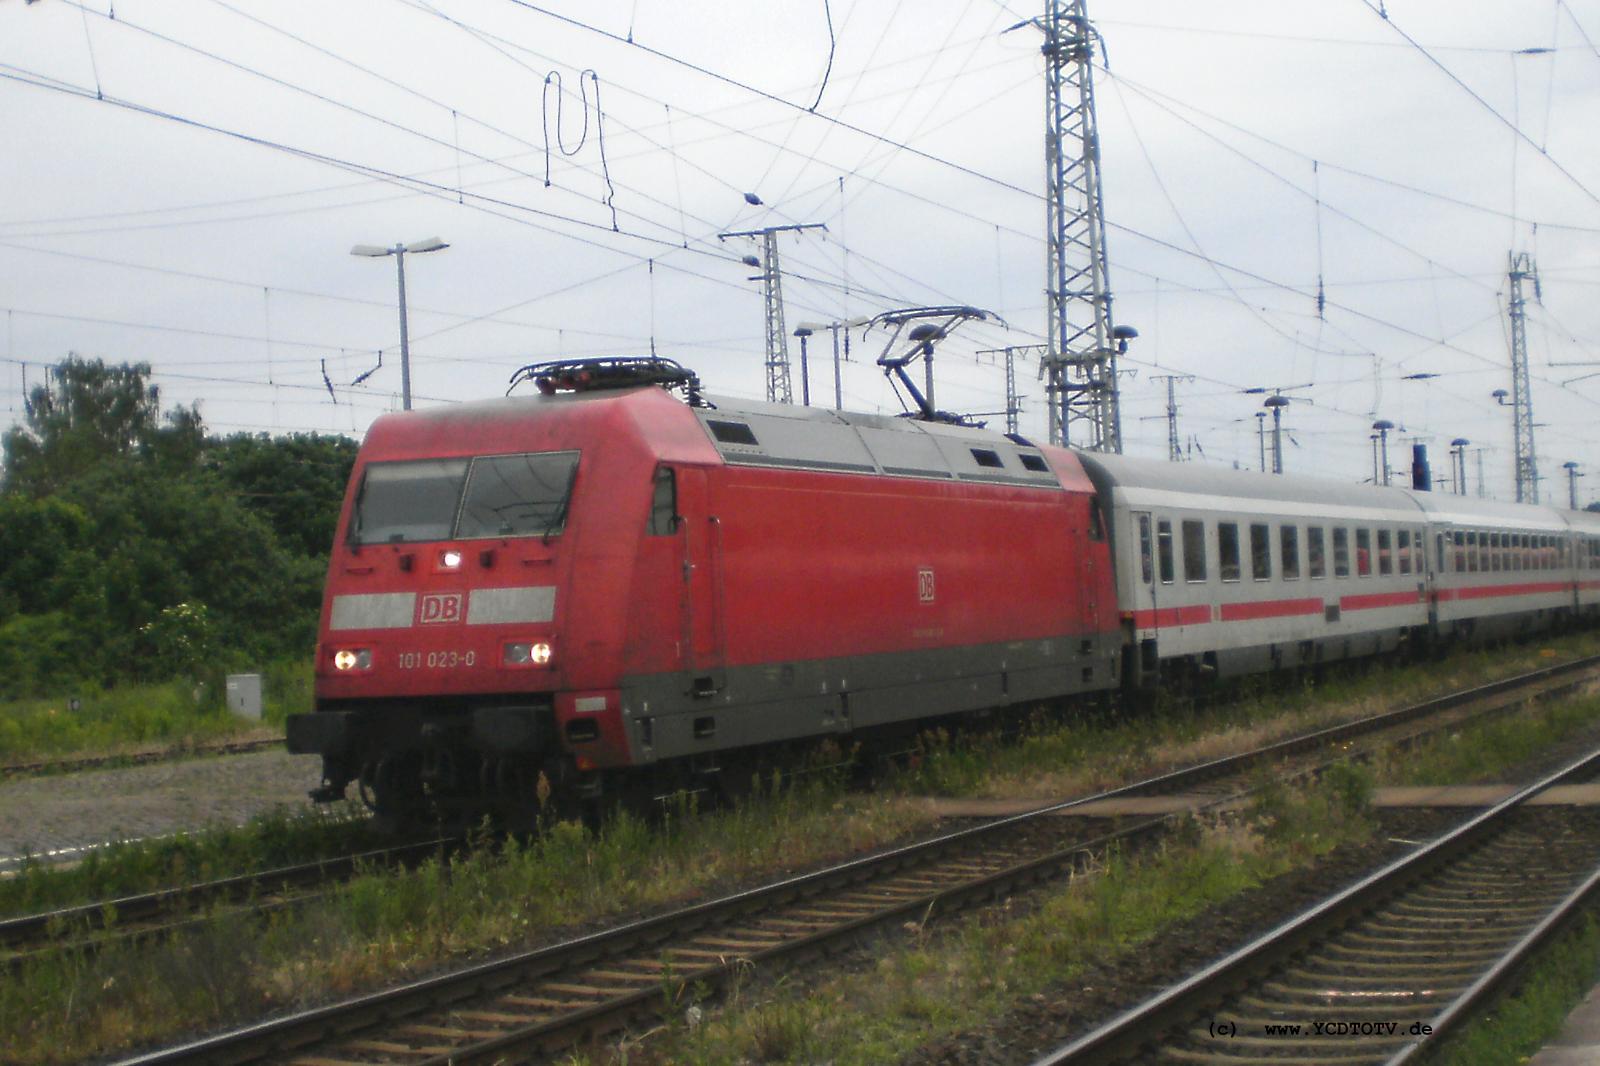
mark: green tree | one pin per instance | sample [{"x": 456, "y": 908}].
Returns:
[
  {"x": 295, "y": 482},
  {"x": 88, "y": 413}
]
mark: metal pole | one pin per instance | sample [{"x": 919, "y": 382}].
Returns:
[
  {"x": 1383, "y": 445},
  {"x": 838, "y": 394},
  {"x": 805, "y": 373},
  {"x": 1277, "y": 440},
  {"x": 1261, "y": 437},
  {"x": 405, "y": 343}
]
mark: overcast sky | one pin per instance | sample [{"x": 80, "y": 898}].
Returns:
[{"x": 183, "y": 181}]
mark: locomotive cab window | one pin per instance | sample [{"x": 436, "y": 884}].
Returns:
[
  {"x": 1194, "y": 551},
  {"x": 664, "y": 503},
  {"x": 401, "y": 502},
  {"x": 1097, "y": 525},
  {"x": 518, "y": 495},
  {"x": 1033, "y": 462}
]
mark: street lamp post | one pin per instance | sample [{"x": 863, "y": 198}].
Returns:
[
  {"x": 1572, "y": 483},
  {"x": 372, "y": 251},
  {"x": 804, "y": 331},
  {"x": 834, "y": 328},
  {"x": 1458, "y": 464},
  {"x": 1276, "y": 404},
  {"x": 1382, "y": 426}
]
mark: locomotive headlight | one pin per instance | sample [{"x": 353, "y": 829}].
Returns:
[
  {"x": 352, "y": 659},
  {"x": 450, "y": 560},
  {"x": 524, "y": 653}
]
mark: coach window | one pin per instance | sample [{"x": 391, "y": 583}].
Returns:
[
  {"x": 1289, "y": 551},
  {"x": 1260, "y": 552},
  {"x": 1419, "y": 547},
  {"x": 1194, "y": 551},
  {"x": 1439, "y": 555},
  {"x": 1458, "y": 561},
  {"x": 1363, "y": 553},
  {"x": 1493, "y": 561},
  {"x": 1405, "y": 550},
  {"x": 1317, "y": 564},
  {"x": 664, "y": 504},
  {"x": 1341, "y": 552},
  {"x": 1472, "y": 551},
  {"x": 1385, "y": 552},
  {"x": 1164, "y": 549},
  {"x": 1228, "y": 550},
  {"x": 1146, "y": 551}
]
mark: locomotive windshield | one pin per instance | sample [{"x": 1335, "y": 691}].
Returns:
[{"x": 447, "y": 499}]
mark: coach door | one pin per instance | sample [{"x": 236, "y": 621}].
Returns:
[
  {"x": 1145, "y": 587},
  {"x": 701, "y": 603}
]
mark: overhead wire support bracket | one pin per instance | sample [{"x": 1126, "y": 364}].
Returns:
[{"x": 780, "y": 385}]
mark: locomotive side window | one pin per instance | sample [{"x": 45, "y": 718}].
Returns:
[
  {"x": 664, "y": 503},
  {"x": 987, "y": 457},
  {"x": 1146, "y": 551},
  {"x": 518, "y": 495},
  {"x": 1385, "y": 552},
  {"x": 1315, "y": 549},
  {"x": 1405, "y": 550},
  {"x": 1228, "y": 550},
  {"x": 1363, "y": 553},
  {"x": 1194, "y": 551},
  {"x": 401, "y": 502},
  {"x": 1289, "y": 549},
  {"x": 1164, "y": 549},
  {"x": 1260, "y": 552},
  {"x": 731, "y": 432},
  {"x": 1341, "y": 552}
]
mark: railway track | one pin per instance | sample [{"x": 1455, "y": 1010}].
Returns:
[
  {"x": 550, "y": 998},
  {"x": 89, "y": 927},
  {"x": 1388, "y": 968},
  {"x": 136, "y": 758}
]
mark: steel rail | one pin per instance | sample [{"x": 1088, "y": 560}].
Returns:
[
  {"x": 289, "y": 1033},
  {"x": 137, "y": 758},
  {"x": 1131, "y": 1031},
  {"x": 154, "y": 906}
]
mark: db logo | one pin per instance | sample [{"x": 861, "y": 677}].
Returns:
[
  {"x": 925, "y": 584},
  {"x": 440, "y": 607}
]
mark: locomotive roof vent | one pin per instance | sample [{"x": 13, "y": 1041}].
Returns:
[{"x": 610, "y": 372}]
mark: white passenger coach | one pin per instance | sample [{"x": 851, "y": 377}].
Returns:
[{"x": 1226, "y": 572}]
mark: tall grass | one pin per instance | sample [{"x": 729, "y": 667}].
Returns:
[
  {"x": 134, "y": 867},
  {"x": 383, "y": 927},
  {"x": 128, "y": 717},
  {"x": 971, "y": 974}
]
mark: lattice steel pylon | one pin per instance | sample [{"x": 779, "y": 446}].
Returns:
[
  {"x": 780, "y": 388},
  {"x": 1081, "y": 365},
  {"x": 1522, "y": 269}
]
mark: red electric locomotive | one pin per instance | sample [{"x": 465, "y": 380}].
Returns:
[{"x": 564, "y": 590}]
